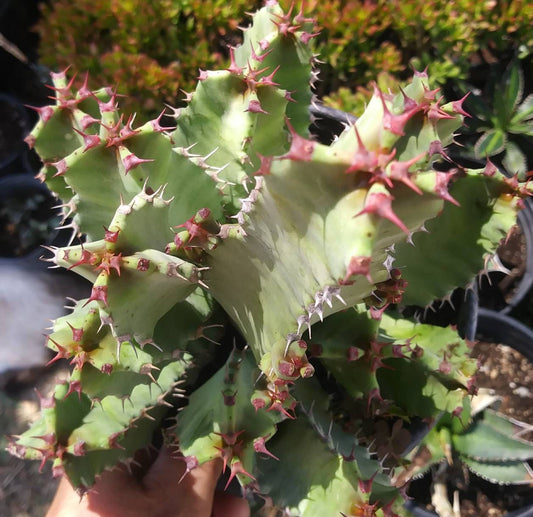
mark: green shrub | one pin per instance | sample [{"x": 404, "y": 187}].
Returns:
[
  {"x": 153, "y": 45},
  {"x": 361, "y": 39},
  {"x": 140, "y": 46}
]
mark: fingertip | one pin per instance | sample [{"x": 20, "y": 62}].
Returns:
[{"x": 226, "y": 505}]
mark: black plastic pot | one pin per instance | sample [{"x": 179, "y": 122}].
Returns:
[
  {"x": 28, "y": 217},
  {"x": 498, "y": 328},
  {"x": 15, "y": 124},
  {"x": 328, "y": 123},
  {"x": 418, "y": 511},
  {"x": 525, "y": 220}
]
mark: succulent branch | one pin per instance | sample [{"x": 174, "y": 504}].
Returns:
[{"x": 235, "y": 221}]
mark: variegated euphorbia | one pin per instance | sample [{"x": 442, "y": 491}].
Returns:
[{"x": 235, "y": 225}]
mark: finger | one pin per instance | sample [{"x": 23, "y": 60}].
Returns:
[
  {"x": 166, "y": 470},
  {"x": 189, "y": 494},
  {"x": 66, "y": 501},
  {"x": 226, "y": 505},
  {"x": 116, "y": 492}
]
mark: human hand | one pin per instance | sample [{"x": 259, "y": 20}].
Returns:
[{"x": 159, "y": 493}]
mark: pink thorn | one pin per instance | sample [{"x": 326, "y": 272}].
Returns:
[
  {"x": 87, "y": 121},
  {"x": 79, "y": 448},
  {"x": 237, "y": 468},
  {"x": 436, "y": 113},
  {"x": 111, "y": 262},
  {"x": 380, "y": 204},
  {"x": 158, "y": 128},
  {"x": 61, "y": 167},
  {"x": 397, "y": 351},
  {"x": 260, "y": 58},
  {"x": 268, "y": 80},
  {"x": 127, "y": 131},
  {"x": 254, "y": 106},
  {"x": 445, "y": 367},
  {"x": 107, "y": 107},
  {"x": 435, "y": 147},
  {"x": 300, "y": 18},
  {"x": 203, "y": 75},
  {"x": 86, "y": 258},
  {"x": 73, "y": 386},
  {"x": 131, "y": 161},
  {"x": 60, "y": 76},
  {"x": 395, "y": 123},
  {"x": 430, "y": 95},
  {"x": 111, "y": 236},
  {"x": 45, "y": 402},
  {"x": 306, "y": 37},
  {"x": 113, "y": 441},
  {"x": 30, "y": 140},
  {"x": 441, "y": 187},
  {"x": 363, "y": 160},
  {"x": 258, "y": 403},
  {"x": 458, "y": 106},
  {"x": 301, "y": 149},
  {"x": 84, "y": 91},
  {"x": 259, "y": 446},
  {"x": 89, "y": 140},
  {"x": 278, "y": 406},
  {"x": 45, "y": 112},
  {"x": 358, "y": 266},
  {"x": 400, "y": 171},
  {"x": 107, "y": 368},
  {"x": 490, "y": 169},
  {"x": 63, "y": 91},
  {"x": 62, "y": 353},
  {"x": 77, "y": 333},
  {"x": 423, "y": 73},
  {"x": 365, "y": 486},
  {"x": 191, "y": 462},
  {"x": 288, "y": 96},
  {"x": 353, "y": 353},
  {"x": 266, "y": 164},
  {"x": 408, "y": 103},
  {"x": 264, "y": 44},
  {"x": 233, "y": 67},
  {"x": 98, "y": 293}
]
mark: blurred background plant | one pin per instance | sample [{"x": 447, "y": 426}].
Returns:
[
  {"x": 158, "y": 45},
  {"x": 501, "y": 126},
  {"x": 148, "y": 49}
]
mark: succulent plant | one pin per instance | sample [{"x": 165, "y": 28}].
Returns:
[
  {"x": 502, "y": 124},
  {"x": 485, "y": 443},
  {"x": 235, "y": 235},
  {"x": 478, "y": 440}
]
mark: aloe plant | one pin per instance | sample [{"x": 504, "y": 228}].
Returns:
[
  {"x": 502, "y": 123},
  {"x": 236, "y": 226},
  {"x": 477, "y": 439}
]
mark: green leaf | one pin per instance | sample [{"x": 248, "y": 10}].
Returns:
[
  {"x": 209, "y": 413},
  {"x": 451, "y": 253},
  {"x": 504, "y": 472},
  {"x": 484, "y": 443},
  {"x": 314, "y": 401},
  {"x": 490, "y": 143},
  {"x": 138, "y": 298},
  {"x": 524, "y": 112},
  {"x": 514, "y": 159},
  {"x": 514, "y": 87},
  {"x": 328, "y": 485}
]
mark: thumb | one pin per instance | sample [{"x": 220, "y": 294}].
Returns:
[
  {"x": 226, "y": 505},
  {"x": 185, "y": 493}
]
